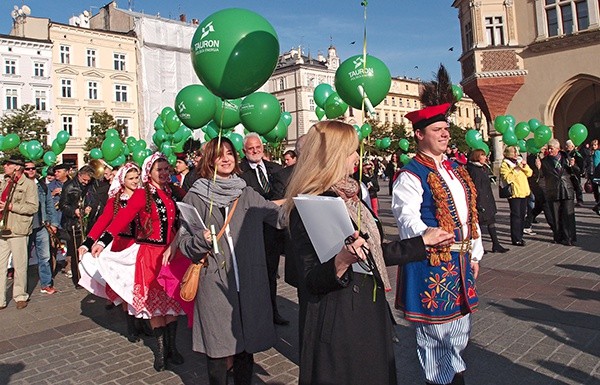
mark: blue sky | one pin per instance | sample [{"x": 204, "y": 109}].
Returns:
[{"x": 403, "y": 33}]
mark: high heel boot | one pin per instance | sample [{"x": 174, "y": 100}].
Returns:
[
  {"x": 132, "y": 332},
  {"x": 171, "y": 352},
  {"x": 160, "y": 361}
]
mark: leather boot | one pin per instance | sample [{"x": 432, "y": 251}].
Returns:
[
  {"x": 143, "y": 327},
  {"x": 243, "y": 368},
  {"x": 173, "y": 355},
  {"x": 160, "y": 362},
  {"x": 132, "y": 332}
]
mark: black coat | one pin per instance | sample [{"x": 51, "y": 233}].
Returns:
[
  {"x": 74, "y": 196},
  {"x": 346, "y": 336},
  {"x": 486, "y": 204},
  {"x": 557, "y": 178},
  {"x": 370, "y": 181},
  {"x": 249, "y": 175}
]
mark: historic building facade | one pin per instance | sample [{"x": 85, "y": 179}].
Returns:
[
  {"x": 533, "y": 59},
  {"x": 26, "y": 75}
]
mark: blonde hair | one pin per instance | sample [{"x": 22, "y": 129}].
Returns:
[
  {"x": 508, "y": 150},
  {"x": 322, "y": 161}
]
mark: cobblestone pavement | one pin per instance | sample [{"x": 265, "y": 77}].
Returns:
[{"x": 539, "y": 323}]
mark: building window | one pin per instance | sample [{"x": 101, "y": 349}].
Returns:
[
  {"x": 393, "y": 100},
  {"x": 311, "y": 104},
  {"x": 120, "y": 93},
  {"x": 12, "y": 99},
  {"x": 92, "y": 124},
  {"x": 467, "y": 112},
  {"x": 123, "y": 122},
  {"x": 91, "y": 57},
  {"x": 40, "y": 100},
  {"x": 385, "y": 102},
  {"x": 401, "y": 103},
  {"x": 387, "y": 119},
  {"x": 459, "y": 111},
  {"x": 65, "y": 54},
  {"x": 93, "y": 90},
  {"x": 281, "y": 84},
  {"x": 10, "y": 67},
  {"x": 38, "y": 69},
  {"x": 494, "y": 29},
  {"x": 66, "y": 88},
  {"x": 119, "y": 61},
  {"x": 394, "y": 118},
  {"x": 564, "y": 17},
  {"x": 282, "y": 104},
  {"x": 468, "y": 35},
  {"x": 67, "y": 123}
]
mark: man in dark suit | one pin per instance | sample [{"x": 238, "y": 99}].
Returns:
[{"x": 258, "y": 174}]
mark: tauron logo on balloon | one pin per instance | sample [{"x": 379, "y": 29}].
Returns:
[
  {"x": 182, "y": 114},
  {"x": 207, "y": 45},
  {"x": 359, "y": 72}
]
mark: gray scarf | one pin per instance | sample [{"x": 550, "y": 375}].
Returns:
[{"x": 220, "y": 191}]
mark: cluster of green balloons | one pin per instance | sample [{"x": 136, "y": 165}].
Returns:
[
  {"x": 329, "y": 103},
  {"x": 516, "y": 134},
  {"x": 9, "y": 141},
  {"x": 112, "y": 150},
  {"x": 363, "y": 131},
  {"x": 33, "y": 149},
  {"x": 383, "y": 143},
  {"x": 475, "y": 141},
  {"x": 170, "y": 134},
  {"x": 234, "y": 52}
]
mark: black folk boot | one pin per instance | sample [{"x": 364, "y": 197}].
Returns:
[
  {"x": 160, "y": 362},
  {"x": 132, "y": 331},
  {"x": 172, "y": 354}
]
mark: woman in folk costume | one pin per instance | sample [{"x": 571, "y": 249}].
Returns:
[
  {"x": 345, "y": 320},
  {"x": 233, "y": 314},
  {"x": 154, "y": 207},
  {"x": 121, "y": 189},
  {"x": 438, "y": 294}
]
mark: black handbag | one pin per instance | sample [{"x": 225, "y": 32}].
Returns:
[{"x": 505, "y": 191}]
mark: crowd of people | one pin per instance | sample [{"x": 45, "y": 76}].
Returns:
[{"x": 127, "y": 221}]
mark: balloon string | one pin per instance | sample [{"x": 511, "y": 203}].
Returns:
[
  {"x": 362, "y": 143},
  {"x": 214, "y": 179}
]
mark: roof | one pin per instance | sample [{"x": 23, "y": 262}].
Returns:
[
  {"x": 291, "y": 60},
  {"x": 3, "y": 36}
]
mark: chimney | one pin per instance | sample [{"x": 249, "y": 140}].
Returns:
[
  {"x": 182, "y": 18},
  {"x": 195, "y": 22}
]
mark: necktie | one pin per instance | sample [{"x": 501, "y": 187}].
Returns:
[{"x": 262, "y": 178}]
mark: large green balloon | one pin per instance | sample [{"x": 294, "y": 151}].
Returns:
[
  {"x": 234, "y": 52},
  {"x": 335, "y": 106},
  {"x": 34, "y": 150},
  {"x": 195, "y": 105},
  {"x": 260, "y": 112},
  {"x": 473, "y": 138},
  {"x": 374, "y": 79},
  {"x": 457, "y": 92},
  {"x": 542, "y": 135},
  {"x": 321, "y": 93},
  {"x": 578, "y": 133},
  {"x": 534, "y": 124},
  {"x": 511, "y": 120},
  {"x": 111, "y": 148},
  {"x": 531, "y": 146},
  {"x": 237, "y": 140},
  {"x": 403, "y": 144},
  {"x": 287, "y": 118},
  {"x": 522, "y": 145},
  {"x": 278, "y": 133},
  {"x": 501, "y": 124},
  {"x": 111, "y": 133},
  {"x": 509, "y": 138},
  {"x": 522, "y": 130},
  {"x": 386, "y": 142},
  {"x": 95, "y": 153},
  {"x": 57, "y": 148},
  {"x": 62, "y": 137},
  {"x": 227, "y": 113},
  {"x": 49, "y": 158},
  {"x": 11, "y": 141}
]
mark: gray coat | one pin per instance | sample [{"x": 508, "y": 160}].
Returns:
[{"x": 227, "y": 322}]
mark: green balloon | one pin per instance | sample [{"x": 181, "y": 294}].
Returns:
[
  {"x": 321, "y": 93},
  {"x": 139, "y": 145},
  {"x": 166, "y": 148},
  {"x": 365, "y": 130},
  {"x": 578, "y": 133},
  {"x": 287, "y": 118},
  {"x": 522, "y": 145},
  {"x": 501, "y": 124},
  {"x": 522, "y": 130},
  {"x": 542, "y": 135},
  {"x": 11, "y": 141},
  {"x": 118, "y": 161},
  {"x": 130, "y": 142},
  {"x": 378, "y": 144},
  {"x": 473, "y": 138},
  {"x": 386, "y": 142},
  {"x": 374, "y": 79},
  {"x": 531, "y": 146},
  {"x": 278, "y": 133},
  {"x": 319, "y": 112},
  {"x": 511, "y": 120},
  {"x": 158, "y": 124},
  {"x": 237, "y": 140},
  {"x": 211, "y": 129},
  {"x": 172, "y": 122},
  {"x": 178, "y": 147},
  {"x": 111, "y": 133},
  {"x": 457, "y": 92},
  {"x": 164, "y": 112},
  {"x": 139, "y": 156},
  {"x": 1, "y": 141},
  {"x": 195, "y": 105},
  {"x": 62, "y": 137},
  {"x": 509, "y": 138},
  {"x": 260, "y": 112},
  {"x": 234, "y": 52},
  {"x": 34, "y": 150},
  {"x": 95, "y": 153},
  {"x": 49, "y": 158},
  {"x": 335, "y": 106},
  {"x": 483, "y": 146},
  {"x": 227, "y": 112},
  {"x": 111, "y": 148},
  {"x": 403, "y": 144},
  {"x": 405, "y": 159},
  {"x": 172, "y": 159},
  {"x": 23, "y": 149},
  {"x": 534, "y": 124},
  {"x": 159, "y": 137},
  {"x": 57, "y": 148}
]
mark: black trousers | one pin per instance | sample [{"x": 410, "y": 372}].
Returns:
[
  {"x": 274, "y": 246},
  {"x": 75, "y": 240},
  {"x": 576, "y": 181},
  {"x": 518, "y": 210},
  {"x": 243, "y": 369},
  {"x": 564, "y": 223}
]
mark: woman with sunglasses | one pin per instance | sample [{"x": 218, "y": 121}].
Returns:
[
  {"x": 154, "y": 207},
  {"x": 346, "y": 328}
]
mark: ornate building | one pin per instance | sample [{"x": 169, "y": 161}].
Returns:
[{"x": 533, "y": 59}]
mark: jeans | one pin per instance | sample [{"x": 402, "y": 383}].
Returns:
[{"x": 40, "y": 239}]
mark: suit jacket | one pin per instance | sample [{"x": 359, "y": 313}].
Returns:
[
  {"x": 249, "y": 175},
  {"x": 280, "y": 182},
  {"x": 25, "y": 203}
]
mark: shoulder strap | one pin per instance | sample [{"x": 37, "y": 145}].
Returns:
[{"x": 235, "y": 202}]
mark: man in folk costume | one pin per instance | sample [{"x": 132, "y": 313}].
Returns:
[{"x": 438, "y": 295}]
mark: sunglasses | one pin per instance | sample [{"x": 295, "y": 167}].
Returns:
[{"x": 29, "y": 168}]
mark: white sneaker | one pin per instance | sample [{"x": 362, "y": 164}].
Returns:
[{"x": 528, "y": 231}]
